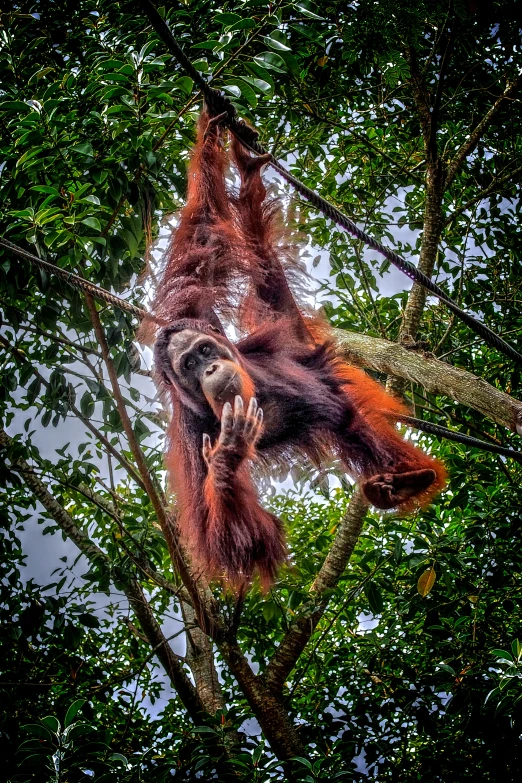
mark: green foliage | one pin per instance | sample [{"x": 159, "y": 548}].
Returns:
[
  {"x": 66, "y": 753},
  {"x": 397, "y": 683}
]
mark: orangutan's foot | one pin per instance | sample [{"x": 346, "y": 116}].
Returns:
[{"x": 388, "y": 490}]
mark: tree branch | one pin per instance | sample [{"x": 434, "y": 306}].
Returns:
[
  {"x": 438, "y": 94},
  {"x": 475, "y": 136},
  {"x": 150, "y": 626},
  {"x": 288, "y": 652},
  {"x": 432, "y": 220},
  {"x": 266, "y": 705},
  {"x": 203, "y": 600},
  {"x": 418, "y": 90},
  {"x": 130, "y": 586},
  {"x": 200, "y": 658},
  {"x": 435, "y": 376},
  {"x": 496, "y": 182}
]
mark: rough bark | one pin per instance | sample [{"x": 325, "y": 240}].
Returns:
[
  {"x": 431, "y": 232},
  {"x": 267, "y": 706},
  {"x": 200, "y": 658},
  {"x": 435, "y": 376}
]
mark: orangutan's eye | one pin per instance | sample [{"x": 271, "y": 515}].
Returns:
[
  {"x": 190, "y": 363},
  {"x": 205, "y": 350}
]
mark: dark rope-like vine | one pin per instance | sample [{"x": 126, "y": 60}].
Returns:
[
  {"x": 80, "y": 283},
  {"x": 219, "y": 104},
  {"x": 459, "y": 437}
]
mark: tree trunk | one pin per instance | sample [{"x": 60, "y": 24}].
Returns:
[
  {"x": 200, "y": 659},
  {"x": 432, "y": 227}
]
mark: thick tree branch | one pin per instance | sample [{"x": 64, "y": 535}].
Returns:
[
  {"x": 302, "y": 628},
  {"x": 266, "y": 705},
  {"x": 435, "y": 376},
  {"x": 432, "y": 220},
  {"x": 440, "y": 88},
  {"x": 475, "y": 136},
  {"x": 200, "y": 658},
  {"x": 130, "y": 586},
  {"x": 418, "y": 89}
]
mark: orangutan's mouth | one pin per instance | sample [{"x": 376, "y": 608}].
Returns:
[{"x": 229, "y": 387}]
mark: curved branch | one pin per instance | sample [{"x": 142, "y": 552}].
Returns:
[
  {"x": 475, "y": 136},
  {"x": 493, "y": 187}
]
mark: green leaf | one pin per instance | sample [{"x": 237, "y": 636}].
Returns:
[
  {"x": 79, "y": 730},
  {"x": 503, "y": 654},
  {"x": 226, "y": 18},
  {"x": 40, "y": 74},
  {"x": 27, "y": 156},
  {"x": 277, "y": 40},
  {"x": 83, "y": 149},
  {"x": 260, "y": 84},
  {"x": 73, "y": 636},
  {"x": 272, "y": 61},
  {"x": 204, "y": 730},
  {"x": 270, "y": 611},
  {"x": 87, "y": 405},
  {"x": 308, "y": 9},
  {"x": 303, "y": 761},
  {"x": 201, "y": 65},
  {"x": 89, "y": 620},
  {"x": 446, "y": 668},
  {"x": 261, "y": 73},
  {"x": 245, "y": 90},
  {"x": 51, "y": 723},
  {"x": 374, "y": 596},
  {"x": 185, "y": 84},
  {"x": 14, "y": 106},
  {"x": 46, "y": 189},
  {"x": 243, "y": 24},
  {"x": 110, "y": 65},
  {"x": 92, "y": 222},
  {"x": 73, "y": 711},
  {"x": 119, "y": 757},
  {"x": 33, "y": 390},
  {"x": 210, "y": 45},
  {"x": 38, "y": 730}
]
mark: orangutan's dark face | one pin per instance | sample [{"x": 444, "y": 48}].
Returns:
[{"x": 204, "y": 366}]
